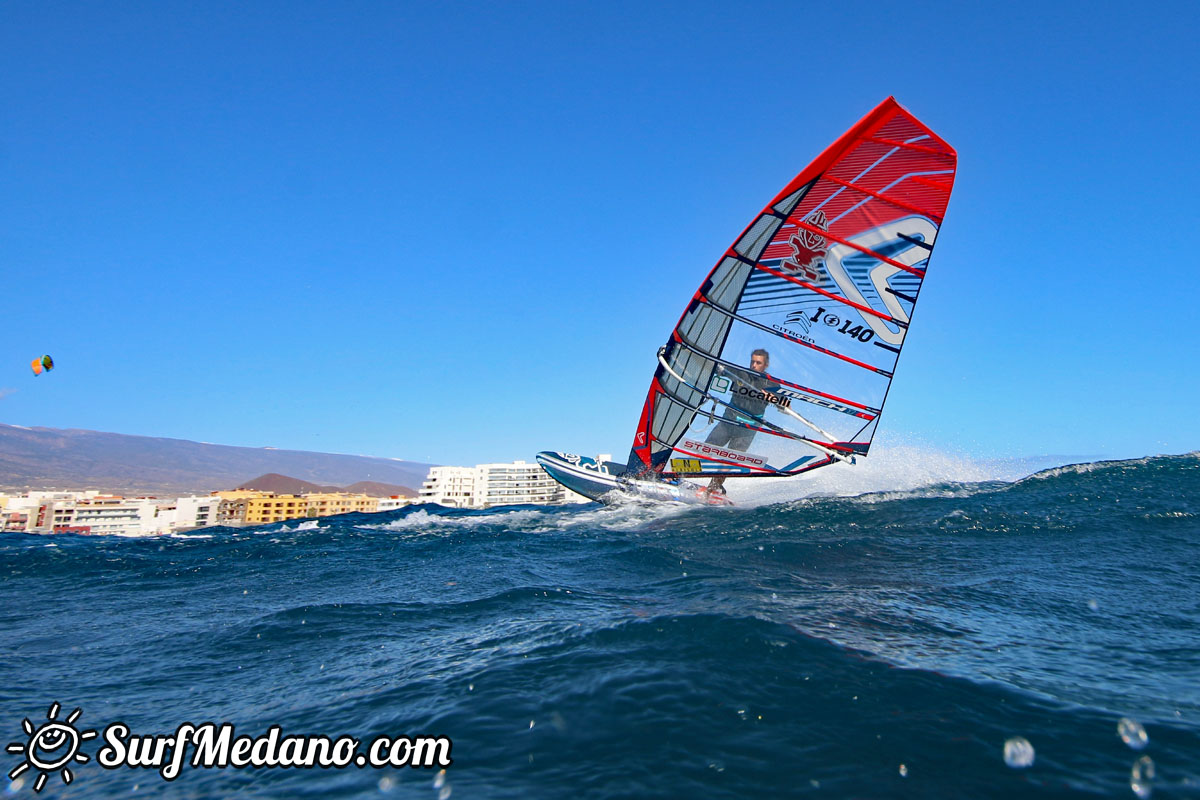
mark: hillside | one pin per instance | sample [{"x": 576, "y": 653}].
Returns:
[
  {"x": 283, "y": 484},
  {"x": 52, "y": 458}
]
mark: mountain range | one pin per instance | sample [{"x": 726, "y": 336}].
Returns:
[
  {"x": 284, "y": 484},
  {"x": 53, "y": 458}
]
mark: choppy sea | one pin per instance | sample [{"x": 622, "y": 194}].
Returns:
[{"x": 884, "y": 644}]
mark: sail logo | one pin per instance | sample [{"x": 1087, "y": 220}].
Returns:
[
  {"x": 794, "y": 334},
  {"x": 685, "y": 465},
  {"x": 897, "y": 238},
  {"x": 721, "y": 453},
  {"x": 809, "y": 248},
  {"x": 758, "y": 394},
  {"x": 799, "y": 318}
]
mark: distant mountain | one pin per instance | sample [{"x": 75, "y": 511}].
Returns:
[
  {"x": 282, "y": 484},
  {"x": 374, "y": 489},
  {"x": 51, "y": 458}
]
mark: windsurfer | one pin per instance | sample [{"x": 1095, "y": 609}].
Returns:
[{"x": 751, "y": 395}]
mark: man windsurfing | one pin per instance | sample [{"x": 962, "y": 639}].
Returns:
[{"x": 752, "y": 392}]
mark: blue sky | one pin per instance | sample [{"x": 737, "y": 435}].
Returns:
[{"x": 459, "y": 232}]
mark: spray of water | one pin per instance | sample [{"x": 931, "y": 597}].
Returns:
[{"x": 897, "y": 463}]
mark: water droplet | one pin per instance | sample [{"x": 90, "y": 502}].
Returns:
[
  {"x": 1132, "y": 733},
  {"x": 531, "y": 723},
  {"x": 903, "y": 771},
  {"x": 1018, "y": 752},
  {"x": 1093, "y": 605},
  {"x": 470, "y": 687},
  {"x": 439, "y": 780},
  {"x": 386, "y": 783},
  {"x": 719, "y": 766},
  {"x": 1141, "y": 777},
  {"x": 444, "y": 793}
]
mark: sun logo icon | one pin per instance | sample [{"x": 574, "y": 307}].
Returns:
[{"x": 52, "y": 746}]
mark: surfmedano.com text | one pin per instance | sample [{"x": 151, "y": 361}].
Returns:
[{"x": 217, "y": 746}]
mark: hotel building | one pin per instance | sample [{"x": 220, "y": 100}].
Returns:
[{"x": 489, "y": 485}]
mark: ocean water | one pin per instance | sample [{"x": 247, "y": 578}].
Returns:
[{"x": 886, "y": 644}]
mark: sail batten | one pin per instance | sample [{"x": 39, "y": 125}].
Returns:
[
  {"x": 830, "y": 295},
  {"x": 810, "y": 305},
  {"x": 841, "y": 403},
  {"x": 794, "y": 340},
  {"x": 911, "y": 146}
]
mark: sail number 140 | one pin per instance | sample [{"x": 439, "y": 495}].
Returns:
[{"x": 860, "y": 332}]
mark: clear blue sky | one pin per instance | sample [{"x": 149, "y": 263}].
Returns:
[{"x": 459, "y": 232}]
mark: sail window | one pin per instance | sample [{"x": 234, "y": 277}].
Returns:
[{"x": 755, "y": 240}]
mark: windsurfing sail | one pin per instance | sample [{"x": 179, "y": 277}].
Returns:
[{"x": 783, "y": 357}]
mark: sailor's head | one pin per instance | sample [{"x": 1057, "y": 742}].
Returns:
[{"x": 759, "y": 360}]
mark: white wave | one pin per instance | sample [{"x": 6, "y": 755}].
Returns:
[
  {"x": 622, "y": 516},
  {"x": 897, "y": 466},
  {"x": 1086, "y": 467},
  {"x": 306, "y": 525},
  {"x": 422, "y": 520}
]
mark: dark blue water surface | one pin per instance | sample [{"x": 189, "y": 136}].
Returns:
[{"x": 885, "y": 645}]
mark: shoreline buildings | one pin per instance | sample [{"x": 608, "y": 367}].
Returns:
[
  {"x": 94, "y": 513},
  {"x": 488, "y": 485},
  {"x": 91, "y": 512}
]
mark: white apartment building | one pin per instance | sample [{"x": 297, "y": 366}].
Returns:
[
  {"x": 450, "y": 486},
  {"x": 188, "y": 513},
  {"x": 33, "y": 512},
  {"x": 105, "y": 515},
  {"x": 487, "y": 485},
  {"x": 90, "y": 512},
  {"x": 517, "y": 483}
]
